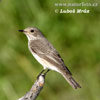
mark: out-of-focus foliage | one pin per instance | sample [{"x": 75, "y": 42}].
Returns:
[{"x": 75, "y": 36}]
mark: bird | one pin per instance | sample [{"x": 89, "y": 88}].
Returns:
[{"x": 44, "y": 52}]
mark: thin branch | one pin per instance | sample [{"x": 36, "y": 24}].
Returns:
[{"x": 35, "y": 90}]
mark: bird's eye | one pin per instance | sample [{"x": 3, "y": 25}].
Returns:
[{"x": 32, "y": 30}]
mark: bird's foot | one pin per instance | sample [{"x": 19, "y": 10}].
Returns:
[
  {"x": 40, "y": 73},
  {"x": 43, "y": 73}
]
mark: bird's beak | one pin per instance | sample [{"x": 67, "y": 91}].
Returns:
[{"x": 21, "y": 30}]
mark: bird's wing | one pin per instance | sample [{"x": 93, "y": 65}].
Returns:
[{"x": 45, "y": 50}]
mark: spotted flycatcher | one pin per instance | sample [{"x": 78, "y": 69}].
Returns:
[{"x": 47, "y": 55}]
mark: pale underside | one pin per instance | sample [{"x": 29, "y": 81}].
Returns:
[
  {"x": 44, "y": 63},
  {"x": 47, "y": 56}
]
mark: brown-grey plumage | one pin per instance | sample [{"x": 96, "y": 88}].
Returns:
[{"x": 44, "y": 51}]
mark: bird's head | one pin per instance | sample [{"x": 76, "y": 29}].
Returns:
[{"x": 32, "y": 33}]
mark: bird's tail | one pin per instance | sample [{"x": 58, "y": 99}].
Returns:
[{"x": 71, "y": 81}]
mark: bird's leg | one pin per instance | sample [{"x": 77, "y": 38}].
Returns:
[
  {"x": 46, "y": 72},
  {"x": 40, "y": 73}
]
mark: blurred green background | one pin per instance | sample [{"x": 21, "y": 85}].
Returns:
[{"x": 75, "y": 36}]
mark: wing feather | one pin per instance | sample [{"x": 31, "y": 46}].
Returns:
[{"x": 45, "y": 50}]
